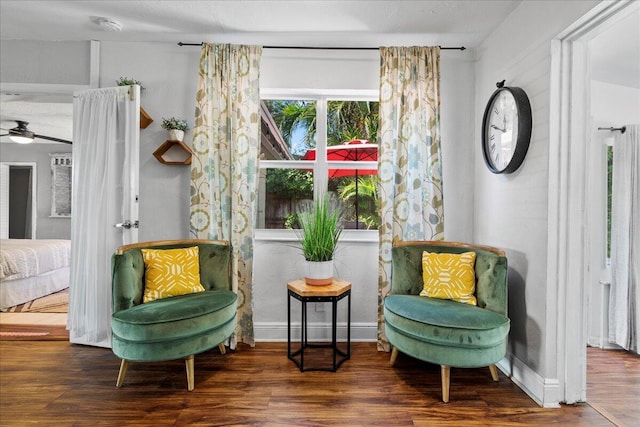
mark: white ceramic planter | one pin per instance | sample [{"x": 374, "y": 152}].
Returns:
[
  {"x": 176, "y": 135},
  {"x": 319, "y": 273}
]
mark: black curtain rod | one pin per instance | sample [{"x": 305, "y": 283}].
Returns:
[
  {"x": 322, "y": 48},
  {"x": 612, "y": 129}
]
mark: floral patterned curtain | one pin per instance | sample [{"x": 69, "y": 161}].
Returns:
[
  {"x": 224, "y": 166},
  {"x": 409, "y": 165}
]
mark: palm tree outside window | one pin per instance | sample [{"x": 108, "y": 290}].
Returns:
[{"x": 300, "y": 125}]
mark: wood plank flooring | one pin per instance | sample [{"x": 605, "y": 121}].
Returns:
[
  {"x": 56, "y": 383},
  {"x": 613, "y": 385}
]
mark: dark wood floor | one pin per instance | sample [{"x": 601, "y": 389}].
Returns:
[{"x": 57, "y": 383}]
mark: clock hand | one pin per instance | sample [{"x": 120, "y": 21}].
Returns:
[{"x": 496, "y": 127}]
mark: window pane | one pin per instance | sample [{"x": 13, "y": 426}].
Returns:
[
  {"x": 359, "y": 199},
  {"x": 288, "y": 129},
  {"x": 283, "y": 189},
  {"x": 352, "y": 134},
  {"x": 349, "y": 120},
  {"x": 289, "y": 132}
]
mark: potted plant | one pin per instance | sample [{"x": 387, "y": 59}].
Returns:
[
  {"x": 127, "y": 81},
  {"x": 319, "y": 232},
  {"x": 176, "y": 128}
]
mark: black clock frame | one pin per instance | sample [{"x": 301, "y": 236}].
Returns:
[{"x": 525, "y": 122}]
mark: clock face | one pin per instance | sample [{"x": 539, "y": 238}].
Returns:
[{"x": 501, "y": 130}]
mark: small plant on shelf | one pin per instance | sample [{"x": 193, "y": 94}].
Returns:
[
  {"x": 126, "y": 81},
  {"x": 174, "y": 123}
]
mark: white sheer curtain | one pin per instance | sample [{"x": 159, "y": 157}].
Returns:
[
  {"x": 625, "y": 240},
  {"x": 103, "y": 154}
]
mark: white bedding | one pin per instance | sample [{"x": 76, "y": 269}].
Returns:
[
  {"x": 20, "y": 291},
  {"x": 31, "y": 269},
  {"x": 33, "y": 257}
]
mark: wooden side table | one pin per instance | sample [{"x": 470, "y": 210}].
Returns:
[{"x": 332, "y": 293}]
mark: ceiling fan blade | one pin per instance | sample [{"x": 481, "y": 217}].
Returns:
[{"x": 51, "y": 138}]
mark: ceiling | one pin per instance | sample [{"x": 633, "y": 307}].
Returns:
[
  {"x": 311, "y": 23},
  {"x": 46, "y": 115},
  {"x": 319, "y": 23}
]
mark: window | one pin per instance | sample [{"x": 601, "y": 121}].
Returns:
[
  {"x": 314, "y": 144},
  {"x": 61, "y": 185}
]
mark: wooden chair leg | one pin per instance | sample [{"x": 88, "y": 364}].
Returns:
[
  {"x": 223, "y": 349},
  {"x": 445, "y": 372},
  {"x": 394, "y": 356},
  {"x": 189, "y": 364},
  {"x": 494, "y": 372},
  {"x": 124, "y": 364}
]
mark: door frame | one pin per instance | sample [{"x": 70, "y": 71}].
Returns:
[
  {"x": 34, "y": 192},
  {"x": 568, "y": 243}
]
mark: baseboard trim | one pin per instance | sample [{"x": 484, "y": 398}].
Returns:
[
  {"x": 544, "y": 391},
  {"x": 598, "y": 342},
  {"x": 318, "y": 331}
]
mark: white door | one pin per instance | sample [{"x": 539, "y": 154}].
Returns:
[{"x": 106, "y": 140}]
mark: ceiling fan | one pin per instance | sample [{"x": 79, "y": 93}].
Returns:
[{"x": 22, "y": 135}]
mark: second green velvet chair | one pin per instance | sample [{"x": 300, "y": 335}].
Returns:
[{"x": 445, "y": 332}]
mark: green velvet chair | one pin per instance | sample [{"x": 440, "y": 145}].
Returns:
[
  {"x": 176, "y": 327},
  {"x": 445, "y": 332}
]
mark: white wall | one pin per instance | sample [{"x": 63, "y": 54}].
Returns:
[
  {"x": 46, "y": 226},
  {"x": 511, "y": 210},
  {"x": 614, "y": 105},
  {"x": 169, "y": 74},
  {"x": 45, "y": 62}
]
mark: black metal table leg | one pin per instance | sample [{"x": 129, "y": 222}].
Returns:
[
  {"x": 304, "y": 294},
  {"x": 289, "y": 324}
]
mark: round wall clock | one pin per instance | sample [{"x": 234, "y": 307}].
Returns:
[{"x": 506, "y": 129}]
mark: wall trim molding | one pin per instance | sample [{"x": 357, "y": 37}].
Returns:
[{"x": 544, "y": 391}]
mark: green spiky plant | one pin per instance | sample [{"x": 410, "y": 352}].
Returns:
[{"x": 320, "y": 229}]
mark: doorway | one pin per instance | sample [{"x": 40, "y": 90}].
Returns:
[
  {"x": 18, "y": 200},
  {"x": 570, "y": 193}
]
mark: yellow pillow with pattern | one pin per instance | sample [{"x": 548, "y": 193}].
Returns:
[
  {"x": 449, "y": 276},
  {"x": 171, "y": 272}
]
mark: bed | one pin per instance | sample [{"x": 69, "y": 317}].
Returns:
[{"x": 31, "y": 269}]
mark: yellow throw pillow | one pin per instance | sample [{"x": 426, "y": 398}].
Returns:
[
  {"x": 449, "y": 276},
  {"x": 171, "y": 272}
]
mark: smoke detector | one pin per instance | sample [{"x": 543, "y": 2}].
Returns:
[{"x": 109, "y": 25}]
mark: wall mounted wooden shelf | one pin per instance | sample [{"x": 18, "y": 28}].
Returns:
[
  {"x": 173, "y": 153},
  {"x": 145, "y": 119}
]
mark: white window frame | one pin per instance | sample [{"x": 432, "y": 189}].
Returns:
[
  {"x": 320, "y": 166},
  {"x": 60, "y": 162}
]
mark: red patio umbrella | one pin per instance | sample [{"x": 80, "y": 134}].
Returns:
[{"x": 358, "y": 150}]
